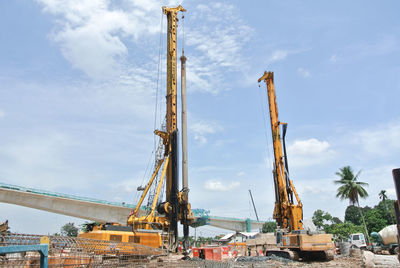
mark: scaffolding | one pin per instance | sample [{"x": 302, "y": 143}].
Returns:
[{"x": 76, "y": 252}]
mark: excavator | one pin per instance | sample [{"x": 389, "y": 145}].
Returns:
[
  {"x": 292, "y": 239},
  {"x": 158, "y": 226}
]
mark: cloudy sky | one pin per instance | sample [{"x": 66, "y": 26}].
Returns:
[{"x": 82, "y": 88}]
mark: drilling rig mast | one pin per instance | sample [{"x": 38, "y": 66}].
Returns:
[
  {"x": 293, "y": 240},
  {"x": 165, "y": 215}
]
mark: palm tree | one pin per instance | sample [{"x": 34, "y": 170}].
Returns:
[
  {"x": 351, "y": 189},
  {"x": 382, "y": 195}
]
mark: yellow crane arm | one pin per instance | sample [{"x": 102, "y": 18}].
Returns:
[
  {"x": 286, "y": 213},
  {"x": 153, "y": 176},
  {"x": 160, "y": 183}
]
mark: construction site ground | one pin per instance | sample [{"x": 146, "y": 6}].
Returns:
[{"x": 253, "y": 262}]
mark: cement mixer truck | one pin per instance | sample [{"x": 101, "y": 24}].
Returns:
[{"x": 385, "y": 239}]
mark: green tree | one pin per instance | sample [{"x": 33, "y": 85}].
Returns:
[
  {"x": 343, "y": 230},
  {"x": 374, "y": 220},
  {"x": 386, "y": 209},
  {"x": 336, "y": 220},
  {"x": 382, "y": 195},
  {"x": 352, "y": 214},
  {"x": 350, "y": 188},
  {"x": 269, "y": 227},
  {"x": 320, "y": 218},
  {"x": 69, "y": 229}
]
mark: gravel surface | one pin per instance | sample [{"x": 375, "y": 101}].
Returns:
[{"x": 255, "y": 262}]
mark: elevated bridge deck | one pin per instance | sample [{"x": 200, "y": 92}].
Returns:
[{"x": 104, "y": 211}]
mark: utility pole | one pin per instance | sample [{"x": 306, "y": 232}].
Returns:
[{"x": 254, "y": 206}]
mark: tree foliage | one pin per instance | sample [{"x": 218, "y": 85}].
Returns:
[
  {"x": 333, "y": 225},
  {"x": 352, "y": 214},
  {"x": 269, "y": 227},
  {"x": 342, "y": 231},
  {"x": 350, "y": 188},
  {"x": 336, "y": 220},
  {"x": 382, "y": 195},
  {"x": 386, "y": 209},
  {"x": 320, "y": 218},
  {"x": 374, "y": 220},
  {"x": 69, "y": 229}
]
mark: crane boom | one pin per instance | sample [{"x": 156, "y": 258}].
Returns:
[
  {"x": 176, "y": 206},
  {"x": 286, "y": 213},
  {"x": 294, "y": 242}
]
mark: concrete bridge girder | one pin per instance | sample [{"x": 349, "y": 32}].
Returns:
[
  {"x": 101, "y": 212},
  {"x": 75, "y": 208},
  {"x": 234, "y": 225}
]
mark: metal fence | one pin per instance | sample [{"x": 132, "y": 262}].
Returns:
[{"x": 77, "y": 252}]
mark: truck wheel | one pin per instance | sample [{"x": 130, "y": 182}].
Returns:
[{"x": 396, "y": 250}]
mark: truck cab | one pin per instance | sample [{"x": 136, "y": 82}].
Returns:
[{"x": 358, "y": 240}]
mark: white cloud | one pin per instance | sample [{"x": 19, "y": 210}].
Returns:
[
  {"x": 203, "y": 128},
  {"x": 380, "y": 140},
  {"x": 241, "y": 173},
  {"x": 379, "y": 177},
  {"x": 303, "y": 72},
  {"x": 217, "y": 185},
  {"x": 315, "y": 187},
  {"x": 391, "y": 193},
  {"x": 309, "y": 152},
  {"x": 2, "y": 114},
  {"x": 308, "y": 147},
  {"x": 385, "y": 45},
  {"x": 120, "y": 189},
  {"x": 98, "y": 37},
  {"x": 91, "y": 33},
  {"x": 127, "y": 186},
  {"x": 281, "y": 54},
  {"x": 38, "y": 161},
  {"x": 218, "y": 38},
  {"x": 333, "y": 58}
]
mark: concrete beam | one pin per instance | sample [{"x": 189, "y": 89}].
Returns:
[
  {"x": 70, "y": 207},
  {"x": 234, "y": 224},
  {"x": 101, "y": 211}
]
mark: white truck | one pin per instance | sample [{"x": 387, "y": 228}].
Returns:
[{"x": 358, "y": 241}]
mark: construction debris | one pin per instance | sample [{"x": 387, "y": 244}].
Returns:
[
  {"x": 371, "y": 260},
  {"x": 262, "y": 259}
]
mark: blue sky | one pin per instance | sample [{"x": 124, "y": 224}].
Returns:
[{"x": 78, "y": 91}]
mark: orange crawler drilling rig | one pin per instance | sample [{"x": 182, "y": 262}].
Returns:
[
  {"x": 158, "y": 226},
  {"x": 164, "y": 216},
  {"x": 292, "y": 239}
]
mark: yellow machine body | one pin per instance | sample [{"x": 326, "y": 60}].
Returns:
[
  {"x": 151, "y": 239},
  {"x": 307, "y": 242}
]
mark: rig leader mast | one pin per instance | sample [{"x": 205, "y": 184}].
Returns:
[
  {"x": 294, "y": 241},
  {"x": 176, "y": 206}
]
